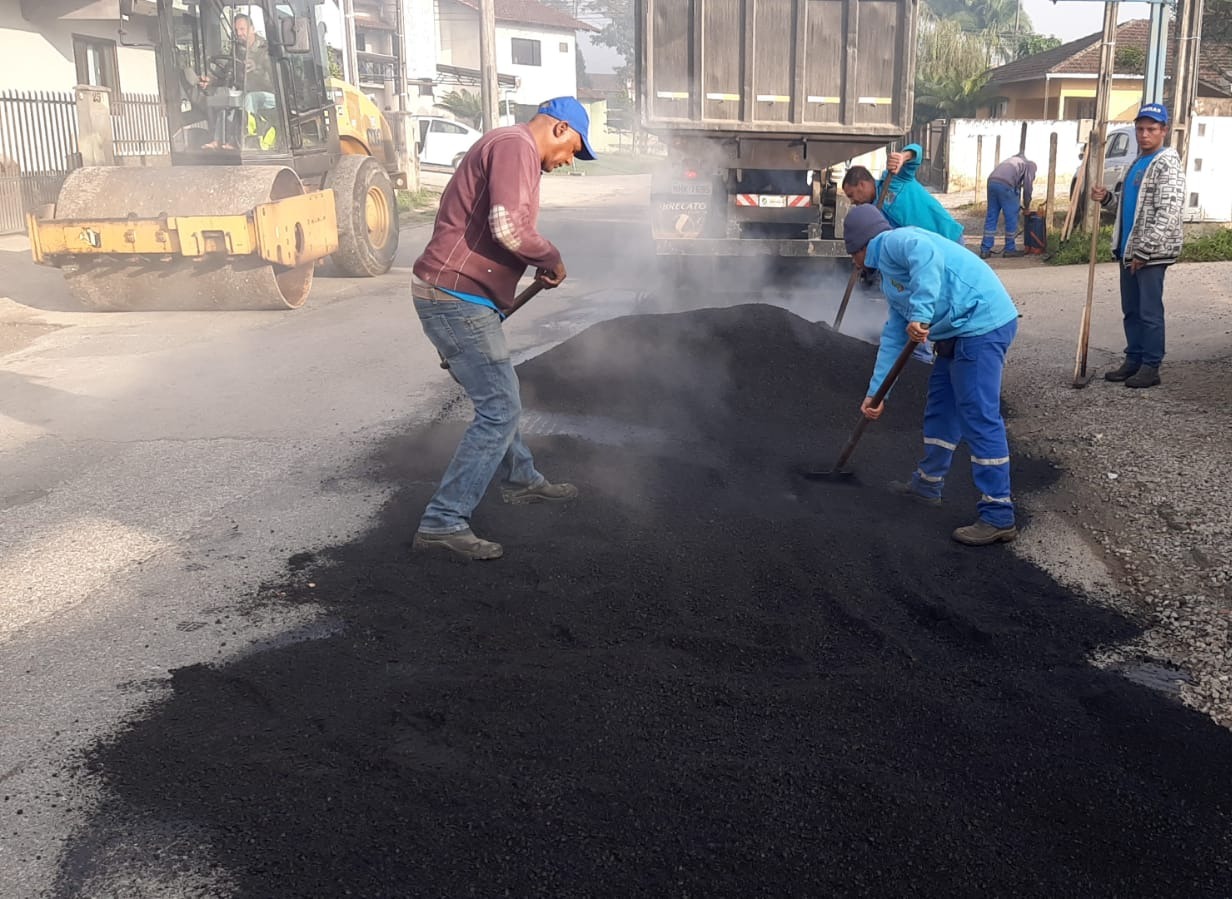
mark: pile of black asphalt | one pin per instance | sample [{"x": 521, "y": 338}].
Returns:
[{"x": 705, "y": 677}]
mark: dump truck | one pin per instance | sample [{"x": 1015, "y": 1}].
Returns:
[
  {"x": 760, "y": 103},
  {"x": 275, "y": 166}
]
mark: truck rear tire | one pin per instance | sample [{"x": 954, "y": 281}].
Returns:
[{"x": 367, "y": 212}]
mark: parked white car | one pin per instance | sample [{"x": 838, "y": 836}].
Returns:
[
  {"x": 444, "y": 141},
  {"x": 1120, "y": 151}
]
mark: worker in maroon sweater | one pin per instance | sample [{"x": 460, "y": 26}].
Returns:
[{"x": 484, "y": 238}]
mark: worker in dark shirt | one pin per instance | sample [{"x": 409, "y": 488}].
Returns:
[
  {"x": 484, "y": 238},
  {"x": 1009, "y": 191}
]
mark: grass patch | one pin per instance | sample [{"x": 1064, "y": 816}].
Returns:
[
  {"x": 1213, "y": 247},
  {"x": 418, "y": 205},
  {"x": 1209, "y": 246}
]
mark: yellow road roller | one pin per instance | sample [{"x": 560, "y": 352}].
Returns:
[{"x": 275, "y": 166}]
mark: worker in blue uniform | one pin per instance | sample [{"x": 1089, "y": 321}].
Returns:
[{"x": 941, "y": 291}]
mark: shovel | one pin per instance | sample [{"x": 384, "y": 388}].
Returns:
[
  {"x": 855, "y": 270},
  {"x": 518, "y": 302},
  {"x": 839, "y": 472}
]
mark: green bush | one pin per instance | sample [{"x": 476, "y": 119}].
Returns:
[{"x": 1214, "y": 247}]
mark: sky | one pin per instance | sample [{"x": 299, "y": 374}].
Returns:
[{"x": 1071, "y": 19}]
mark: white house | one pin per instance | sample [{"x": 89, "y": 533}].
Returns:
[
  {"x": 535, "y": 44},
  {"x": 53, "y": 45}
]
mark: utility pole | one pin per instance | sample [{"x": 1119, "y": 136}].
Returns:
[
  {"x": 348, "y": 31},
  {"x": 1185, "y": 74},
  {"x": 488, "y": 87}
]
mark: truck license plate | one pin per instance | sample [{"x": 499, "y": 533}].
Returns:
[
  {"x": 692, "y": 188},
  {"x": 770, "y": 201}
]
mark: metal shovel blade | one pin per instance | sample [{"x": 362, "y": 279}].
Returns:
[{"x": 834, "y": 475}]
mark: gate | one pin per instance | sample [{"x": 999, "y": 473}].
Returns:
[{"x": 38, "y": 147}]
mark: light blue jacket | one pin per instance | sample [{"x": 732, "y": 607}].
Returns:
[
  {"x": 927, "y": 278},
  {"x": 909, "y": 202}
]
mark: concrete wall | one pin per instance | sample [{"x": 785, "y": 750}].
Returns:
[
  {"x": 1208, "y": 186},
  {"x": 39, "y": 55},
  {"x": 963, "y": 134}
]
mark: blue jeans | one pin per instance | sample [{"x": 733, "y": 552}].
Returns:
[
  {"x": 1001, "y": 199},
  {"x": 1142, "y": 304},
  {"x": 964, "y": 403},
  {"x": 469, "y": 337}
]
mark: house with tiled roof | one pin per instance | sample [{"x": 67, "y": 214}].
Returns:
[{"x": 1060, "y": 83}]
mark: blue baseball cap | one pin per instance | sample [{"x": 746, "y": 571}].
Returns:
[
  {"x": 1156, "y": 111},
  {"x": 573, "y": 114}
]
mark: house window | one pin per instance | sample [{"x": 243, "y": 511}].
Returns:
[
  {"x": 564, "y": 46},
  {"x": 1080, "y": 109},
  {"x": 526, "y": 52},
  {"x": 96, "y": 62}
]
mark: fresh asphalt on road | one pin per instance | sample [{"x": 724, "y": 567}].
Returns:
[{"x": 233, "y": 490}]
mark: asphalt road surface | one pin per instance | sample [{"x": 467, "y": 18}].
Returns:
[{"x": 225, "y": 676}]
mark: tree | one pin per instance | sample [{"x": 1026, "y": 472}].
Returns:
[
  {"x": 951, "y": 71},
  {"x": 617, "y": 33},
  {"x": 464, "y": 105},
  {"x": 1030, "y": 44},
  {"x": 1217, "y": 21}
]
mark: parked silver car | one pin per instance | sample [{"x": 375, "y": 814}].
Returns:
[{"x": 1120, "y": 151}]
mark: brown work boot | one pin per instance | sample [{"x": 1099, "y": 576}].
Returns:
[
  {"x": 543, "y": 492},
  {"x": 463, "y": 544},
  {"x": 982, "y": 533},
  {"x": 1127, "y": 370},
  {"x": 1147, "y": 376}
]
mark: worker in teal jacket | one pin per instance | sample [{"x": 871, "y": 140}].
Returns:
[
  {"x": 940, "y": 291},
  {"x": 907, "y": 201}
]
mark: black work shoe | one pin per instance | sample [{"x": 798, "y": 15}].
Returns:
[
  {"x": 463, "y": 544},
  {"x": 1011, "y": 254},
  {"x": 903, "y": 488},
  {"x": 984, "y": 254},
  {"x": 982, "y": 533},
  {"x": 543, "y": 492},
  {"x": 1126, "y": 370},
  {"x": 1146, "y": 376}
]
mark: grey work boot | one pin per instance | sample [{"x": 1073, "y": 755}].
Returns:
[
  {"x": 982, "y": 533},
  {"x": 463, "y": 544},
  {"x": 1127, "y": 369},
  {"x": 904, "y": 488},
  {"x": 543, "y": 492},
  {"x": 1011, "y": 254},
  {"x": 1147, "y": 376}
]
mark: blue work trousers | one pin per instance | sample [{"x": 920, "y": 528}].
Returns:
[
  {"x": 1002, "y": 199},
  {"x": 469, "y": 337},
  {"x": 1142, "y": 304},
  {"x": 964, "y": 403}
]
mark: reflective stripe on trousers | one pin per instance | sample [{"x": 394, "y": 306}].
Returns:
[{"x": 964, "y": 403}]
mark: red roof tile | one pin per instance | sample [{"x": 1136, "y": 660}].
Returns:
[{"x": 1081, "y": 57}]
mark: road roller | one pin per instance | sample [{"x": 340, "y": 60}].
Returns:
[{"x": 275, "y": 167}]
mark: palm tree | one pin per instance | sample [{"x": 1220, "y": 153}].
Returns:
[{"x": 463, "y": 105}]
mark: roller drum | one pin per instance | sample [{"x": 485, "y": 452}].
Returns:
[{"x": 132, "y": 283}]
